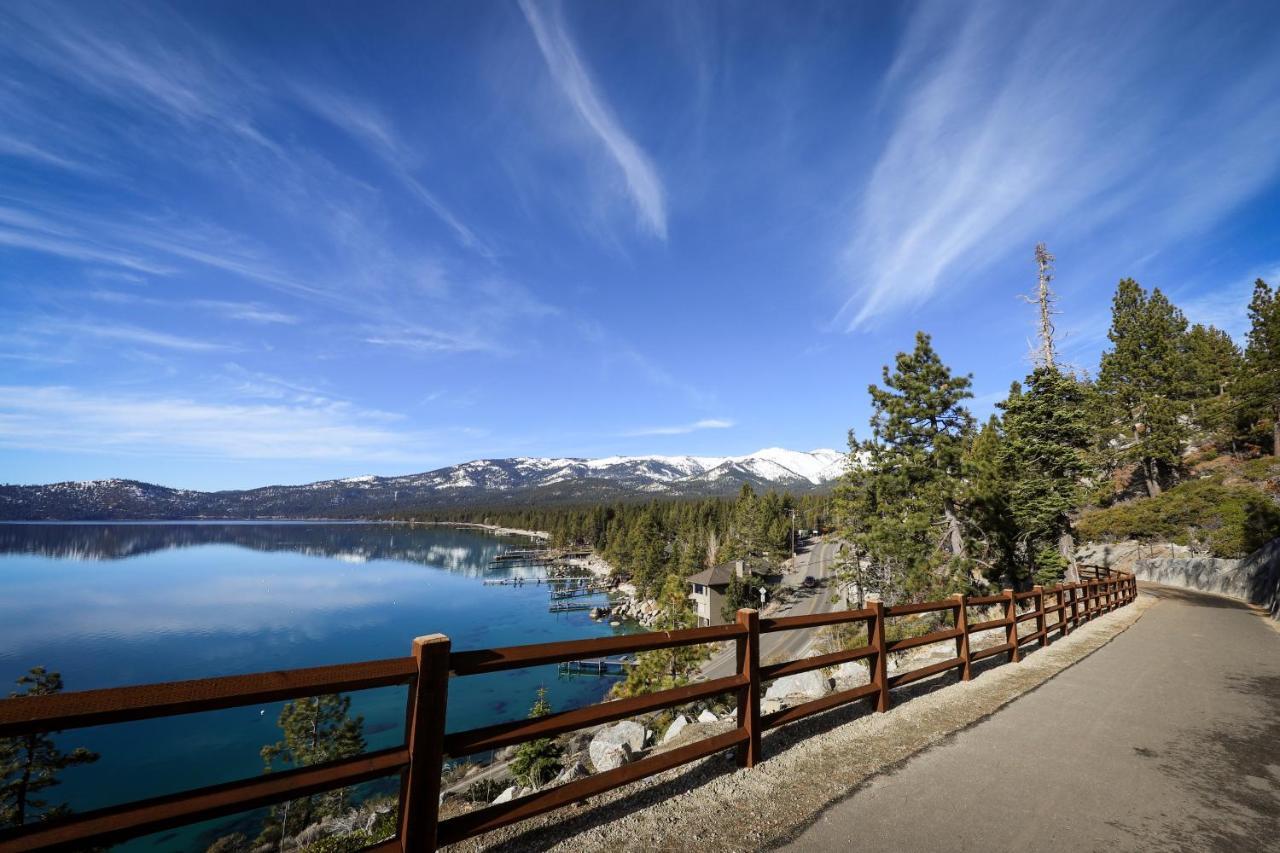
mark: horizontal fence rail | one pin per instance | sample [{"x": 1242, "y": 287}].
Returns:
[{"x": 419, "y": 760}]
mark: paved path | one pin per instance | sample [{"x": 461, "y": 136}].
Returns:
[{"x": 1166, "y": 739}]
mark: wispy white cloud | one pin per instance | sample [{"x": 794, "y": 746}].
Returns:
[
  {"x": 72, "y": 420},
  {"x": 251, "y": 312},
  {"x": 64, "y": 244},
  {"x": 1051, "y": 121},
  {"x": 123, "y": 333},
  {"x": 11, "y": 146},
  {"x": 1227, "y": 306},
  {"x": 365, "y": 123},
  {"x": 680, "y": 429},
  {"x": 570, "y": 74}
]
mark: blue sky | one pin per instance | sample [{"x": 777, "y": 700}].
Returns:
[{"x": 248, "y": 243}]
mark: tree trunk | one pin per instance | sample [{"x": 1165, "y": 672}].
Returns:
[
  {"x": 953, "y": 528},
  {"x": 1275, "y": 432},
  {"x": 1149, "y": 474},
  {"x": 1067, "y": 548}
]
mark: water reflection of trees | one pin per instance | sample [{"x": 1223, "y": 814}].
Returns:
[{"x": 464, "y": 552}]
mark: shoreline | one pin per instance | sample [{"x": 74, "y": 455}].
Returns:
[{"x": 492, "y": 528}]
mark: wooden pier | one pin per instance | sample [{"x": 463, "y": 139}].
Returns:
[
  {"x": 596, "y": 666},
  {"x": 566, "y": 606},
  {"x": 529, "y": 555},
  {"x": 579, "y": 591},
  {"x": 537, "y": 580}
]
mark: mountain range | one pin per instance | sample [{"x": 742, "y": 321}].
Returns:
[{"x": 483, "y": 482}]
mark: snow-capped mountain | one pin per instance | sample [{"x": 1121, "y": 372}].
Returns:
[{"x": 481, "y": 482}]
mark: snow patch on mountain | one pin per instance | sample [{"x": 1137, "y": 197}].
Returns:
[{"x": 479, "y": 482}]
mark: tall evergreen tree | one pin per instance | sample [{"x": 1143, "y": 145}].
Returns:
[
  {"x": 913, "y": 470},
  {"x": 1214, "y": 363},
  {"x": 989, "y": 476},
  {"x": 1142, "y": 384},
  {"x": 663, "y": 669},
  {"x": 30, "y": 764},
  {"x": 1262, "y": 384},
  {"x": 1044, "y": 453},
  {"x": 852, "y": 507},
  {"x": 316, "y": 729}
]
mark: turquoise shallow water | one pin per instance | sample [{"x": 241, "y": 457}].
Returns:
[{"x": 114, "y": 604}]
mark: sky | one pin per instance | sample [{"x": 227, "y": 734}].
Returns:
[{"x": 246, "y": 243}]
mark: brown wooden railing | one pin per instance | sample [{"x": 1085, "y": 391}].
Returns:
[{"x": 419, "y": 759}]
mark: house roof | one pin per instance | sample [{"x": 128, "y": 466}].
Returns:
[{"x": 714, "y": 576}]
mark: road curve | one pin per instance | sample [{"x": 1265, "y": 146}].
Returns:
[{"x": 818, "y": 561}]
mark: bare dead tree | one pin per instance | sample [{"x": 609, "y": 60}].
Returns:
[{"x": 1045, "y": 355}]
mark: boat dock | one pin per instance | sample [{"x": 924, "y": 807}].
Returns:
[
  {"x": 566, "y": 606},
  {"x": 579, "y": 591},
  {"x": 597, "y": 666},
  {"x": 536, "y": 555},
  {"x": 538, "y": 580}
]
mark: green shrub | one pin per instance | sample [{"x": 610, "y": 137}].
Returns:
[{"x": 1227, "y": 521}]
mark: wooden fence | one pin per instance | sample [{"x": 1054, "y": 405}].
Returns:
[{"x": 419, "y": 760}]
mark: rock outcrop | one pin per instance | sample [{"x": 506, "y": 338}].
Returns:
[
  {"x": 810, "y": 685},
  {"x": 616, "y": 745}
]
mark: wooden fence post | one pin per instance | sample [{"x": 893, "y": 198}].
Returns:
[
  {"x": 962, "y": 641},
  {"x": 420, "y": 787},
  {"x": 749, "y": 694},
  {"x": 1040, "y": 624},
  {"x": 882, "y": 656},
  {"x": 1063, "y": 628},
  {"x": 1011, "y": 630}
]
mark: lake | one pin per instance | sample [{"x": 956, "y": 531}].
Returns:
[{"x": 128, "y": 603}]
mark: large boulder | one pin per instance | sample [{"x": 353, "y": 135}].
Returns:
[
  {"x": 673, "y": 730},
  {"x": 506, "y": 796},
  {"x": 854, "y": 672},
  {"x": 706, "y": 716},
  {"x": 614, "y": 746},
  {"x": 811, "y": 685}
]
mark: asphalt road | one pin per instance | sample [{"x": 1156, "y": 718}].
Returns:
[
  {"x": 817, "y": 560},
  {"x": 1167, "y": 738}
]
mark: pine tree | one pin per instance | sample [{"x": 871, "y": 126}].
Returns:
[
  {"x": 1213, "y": 364},
  {"x": 1143, "y": 383},
  {"x": 735, "y": 596},
  {"x": 1044, "y": 452},
  {"x": 316, "y": 729},
  {"x": 989, "y": 476},
  {"x": 1261, "y": 390},
  {"x": 31, "y": 763},
  {"x": 538, "y": 761},
  {"x": 663, "y": 669},
  {"x": 913, "y": 471}
]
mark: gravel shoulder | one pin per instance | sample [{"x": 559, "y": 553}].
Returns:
[{"x": 712, "y": 805}]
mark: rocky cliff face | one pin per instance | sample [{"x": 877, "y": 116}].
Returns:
[{"x": 1255, "y": 578}]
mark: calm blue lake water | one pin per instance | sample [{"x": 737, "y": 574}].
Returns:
[{"x": 115, "y": 604}]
